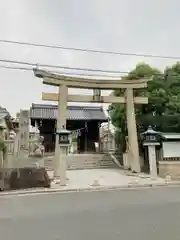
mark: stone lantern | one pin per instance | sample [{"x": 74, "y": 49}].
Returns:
[
  {"x": 64, "y": 142},
  {"x": 151, "y": 139}
]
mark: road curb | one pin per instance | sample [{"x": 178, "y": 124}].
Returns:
[{"x": 88, "y": 189}]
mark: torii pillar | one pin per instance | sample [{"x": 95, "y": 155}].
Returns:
[
  {"x": 133, "y": 154},
  {"x": 61, "y": 123}
]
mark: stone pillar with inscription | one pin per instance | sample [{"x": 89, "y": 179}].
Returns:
[{"x": 24, "y": 129}]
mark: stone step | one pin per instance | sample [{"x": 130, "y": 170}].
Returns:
[
  {"x": 76, "y": 161},
  {"x": 89, "y": 161},
  {"x": 89, "y": 167},
  {"x": 86, "y": 162},
  {"x": 90, "y": 164}
]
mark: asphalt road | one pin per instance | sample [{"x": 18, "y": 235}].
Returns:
[{"x": 151, "y": 214}]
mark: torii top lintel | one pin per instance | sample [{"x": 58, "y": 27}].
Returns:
[{"x": 78, "y": 82}]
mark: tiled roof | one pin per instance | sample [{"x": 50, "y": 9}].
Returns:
[{"x": 42, "y": 111}]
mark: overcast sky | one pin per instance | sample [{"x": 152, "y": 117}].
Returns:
[{"x": 140, "y": 26}]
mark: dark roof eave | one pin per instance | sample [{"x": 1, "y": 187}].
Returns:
[
  {"x": 89, "y": 113},
  {"x": 70, "y": 119}
]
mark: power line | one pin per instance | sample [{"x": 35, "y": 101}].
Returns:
[
  {"x": 90, "y": 50},
  {"x": 37, "y": 65},
  {"x": 60, "y": 72},
  {"x": 16, "y": 68},
  {"x": 60, "y": 67},
  {"x": 77, "y": 74}
]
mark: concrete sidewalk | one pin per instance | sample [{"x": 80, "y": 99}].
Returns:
[
  {"x": 106, "y": 178},
  {"x": 98, "y": 179}
]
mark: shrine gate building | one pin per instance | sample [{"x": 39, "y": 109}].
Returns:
[{"x": 82, "y": 120}]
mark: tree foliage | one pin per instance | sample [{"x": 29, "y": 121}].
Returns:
[{"x": 163, "y": 92}]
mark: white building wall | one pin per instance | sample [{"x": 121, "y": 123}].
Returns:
[{"x": 171, "y": 149}]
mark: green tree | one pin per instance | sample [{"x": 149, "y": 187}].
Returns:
[{"x": 163, "y": 92}]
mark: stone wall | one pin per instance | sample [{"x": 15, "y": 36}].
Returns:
[{"x": 171, "y": 168}]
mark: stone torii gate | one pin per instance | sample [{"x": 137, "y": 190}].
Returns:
[{"x": 64, "y": 81}]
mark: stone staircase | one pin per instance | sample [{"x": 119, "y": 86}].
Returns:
[
  {"x": 74, "y": 161},
  {"x": 89, "y": 161},
  {"x": 84, "y": 161}
]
